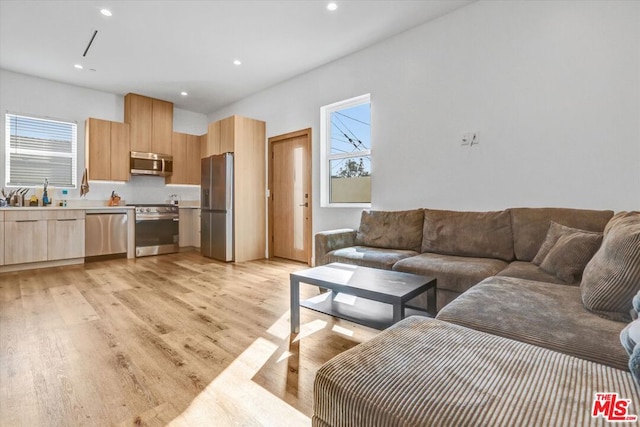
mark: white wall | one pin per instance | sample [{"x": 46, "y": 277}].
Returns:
[
  {"x": 20, "y": 93},
  {"x": 552, "y": 87}
]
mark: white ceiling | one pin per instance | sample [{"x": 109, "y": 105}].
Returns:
[{"x": 160, "y": 48}]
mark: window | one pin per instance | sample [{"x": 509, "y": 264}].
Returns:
[
  {"x": 39, "y": 148},
  {"x": 345, "y": 130}
]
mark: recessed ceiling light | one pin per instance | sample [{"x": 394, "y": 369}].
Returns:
[
  {"x": 184, "y": 93},
  {"x": 332, "y": 6},
  {"x": 237, "y": 62},
  {"x": 106, "y": 12},
  {"x": 78, "y": 66}
]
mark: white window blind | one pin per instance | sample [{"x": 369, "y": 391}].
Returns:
[{"x": 39, "y": 148}]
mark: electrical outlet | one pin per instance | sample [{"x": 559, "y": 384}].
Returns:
[{"x": 470, "y": 138}]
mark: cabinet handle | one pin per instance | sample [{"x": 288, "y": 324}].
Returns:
[
  {"x": 69, "y": 219},
  {"x": 26, "y": 220}
]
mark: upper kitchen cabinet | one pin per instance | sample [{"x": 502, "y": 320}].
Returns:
[
  {"x": 107, "y": 150},
  {"x": 211, "y": 143},
  {"x": 186, "y": 159},
  {"x": 151, "y": 123},
  {"x": 228, "y": 133}
]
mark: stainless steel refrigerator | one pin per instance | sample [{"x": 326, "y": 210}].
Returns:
[{"x": 216, "y": 202}]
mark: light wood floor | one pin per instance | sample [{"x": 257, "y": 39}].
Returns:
[{"x": 175, "y": 339}]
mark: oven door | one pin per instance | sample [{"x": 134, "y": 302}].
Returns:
[{"x": 156, "y": 234}]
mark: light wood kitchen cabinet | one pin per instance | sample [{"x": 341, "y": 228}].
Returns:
[
  {"x": 186, "y": 159},
  {"x": 151, "y": 123},
  {"x": 162, "y": 126},
  {"x": 228, "y": 137},
  {"x": 25, "y": 237},
  {"x": 212, "y": 144},
  {"x": 1, "y": 238},
  {"x": 244, "y": 137},
  {"x": 189, "y": 227},
  {"x": 46, "y": 235},
  {"x": 65, "y": 235},
  {"x": 107, "y": 150},
  {"x": 179, "y": 153},
  {"x": 193, "y": 159}
]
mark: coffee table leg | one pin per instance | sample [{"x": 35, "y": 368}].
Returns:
[
  {"x": 432, "y": 306},
  {"x": 295, "y": 304},
  {"x": 398, "y": 312}
]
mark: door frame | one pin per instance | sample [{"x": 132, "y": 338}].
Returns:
[{"x": 309, "y": 224}]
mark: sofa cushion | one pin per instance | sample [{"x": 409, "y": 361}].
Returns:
[
  {"x": 473, "y": 234},
  {"x": 530, "y": 226},
  {"x": 570, "y": 255},
  {"x": 368, "y": 257},
  {"x": 539, "y": 313},
  {"x": 391, "y": 229},
  {"x": 530, "y": 271},
  {"x": 454, "y": 273},
  {"x": 422, "y": 372},
  {"x": 555, "y": 232},
  {"x": 612, "y": 278}
]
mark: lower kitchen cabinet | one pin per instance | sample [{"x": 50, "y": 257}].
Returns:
[
  {"x": 65, "y": 236},
  {"x": 25, "y": 239},
  {"x": 36, "y": 236},
  {"x": 1, "y": 238},
  {"x": 190, "y": 227}
]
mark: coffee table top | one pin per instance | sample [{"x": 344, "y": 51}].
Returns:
[{"x": 365, "y": 281}]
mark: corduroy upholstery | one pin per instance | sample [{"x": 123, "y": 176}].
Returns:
[
  {"x": 425, "y": 372},
  {"x": 539, "y": 313}
]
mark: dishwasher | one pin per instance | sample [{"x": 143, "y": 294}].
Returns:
[{"x": 105, "y": 234}]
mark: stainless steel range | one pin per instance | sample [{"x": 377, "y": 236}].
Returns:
[{"x": 157, "y": 229}]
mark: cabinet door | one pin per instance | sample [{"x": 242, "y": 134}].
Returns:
[
  {"x": 1, "y": 238},
  {"x": 186, "y": 226},
  {"x": 138, "y": 113},
  {"x": 65, "y": 238},
  {"x": 162, "y": 129},
  {"x": 97, "y": 146},
  {"x": 180, "y": 163},
  {"x": 120, "y": 169},
  {"x": 193, "y": 160},
  {"x": 25, "y": 241},
  {"x": 227, "y": 135},
  {"x": 212, "y": 144}
]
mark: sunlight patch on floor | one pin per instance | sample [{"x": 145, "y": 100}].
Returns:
[{"x": 233, "y": 398}]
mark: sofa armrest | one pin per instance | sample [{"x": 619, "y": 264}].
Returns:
[{"x": 327, "y": 241}]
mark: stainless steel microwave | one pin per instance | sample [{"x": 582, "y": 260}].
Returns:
[{"x": 151, "y": 164}]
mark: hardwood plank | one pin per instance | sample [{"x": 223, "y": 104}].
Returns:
[{"x": 73, "y": 307}]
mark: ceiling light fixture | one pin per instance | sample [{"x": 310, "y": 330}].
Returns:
[
  {"x": 332, "y": 6},
  {"x": 237, "y": 62},
  {"x": 106, "y": 12},
  {"x": 184, "y": 93},
  {"x": 78, "y": 66}
]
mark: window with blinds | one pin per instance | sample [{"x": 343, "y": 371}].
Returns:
[{"x": 39, "y": 148}]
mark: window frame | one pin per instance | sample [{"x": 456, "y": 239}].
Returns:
[
  {"x": 325, "y": 151},
  {"x": 73, "y": 155}
]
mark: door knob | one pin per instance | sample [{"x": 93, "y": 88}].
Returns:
[{"x": 306, "y": 204}]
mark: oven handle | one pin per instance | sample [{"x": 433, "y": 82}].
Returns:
[{"x": 156, "y": 217}]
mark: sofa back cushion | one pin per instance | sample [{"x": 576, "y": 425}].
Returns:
[
  {"x": 612, "y": 278},
  {"x": 391, "y": 229},
  {"x": 530, "y": 226},
  {"x": 474, "y": 234}
]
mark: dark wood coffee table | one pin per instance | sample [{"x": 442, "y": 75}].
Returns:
[{"x": 379, "y": 297}]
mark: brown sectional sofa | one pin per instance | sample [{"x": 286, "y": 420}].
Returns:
[
  {"x": 460, "y": 249},
  {"x": 517, "y": 340}
]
